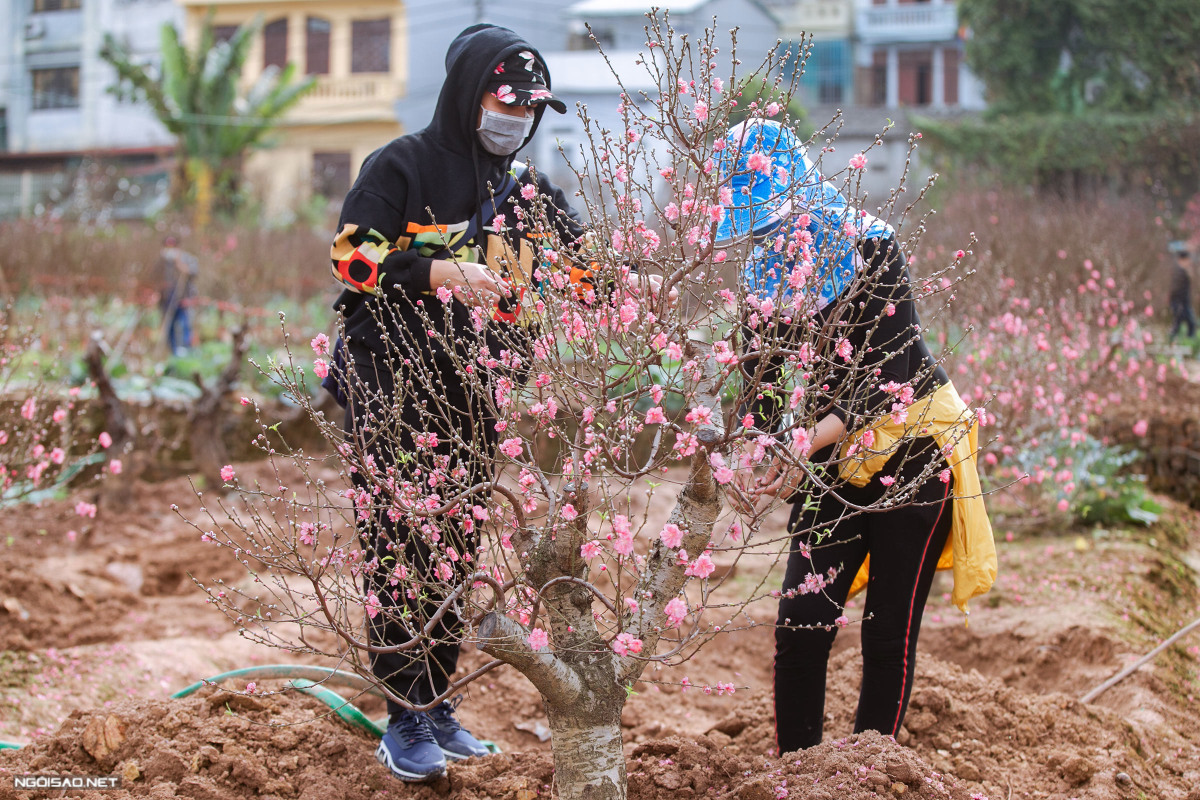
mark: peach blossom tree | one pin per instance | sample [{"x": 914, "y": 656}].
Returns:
[
  {"x": 46, "y": 442},
  {"x": 1053, "y": 361}
]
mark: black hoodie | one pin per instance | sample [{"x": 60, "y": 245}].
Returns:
[{"x": 442, "y": 170}]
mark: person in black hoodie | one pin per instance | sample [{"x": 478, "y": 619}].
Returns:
[{"x": 427, "y": 213}]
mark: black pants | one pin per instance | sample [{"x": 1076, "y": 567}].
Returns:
[
  {"x": 904, "y": 544},
  {"x": 420, "y": 674},
  {"x": 1181, "y": 310}
]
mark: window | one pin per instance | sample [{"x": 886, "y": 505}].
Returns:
[
  {"x": 316, "y": 46},
  {"x": 582, "y": 40},
  {"x": 951, "y": 76},
  {"x": 3, "y": 130},
  {"x": 924, "y": 84},
  {"x": 55, "y": 88},
  {"x": 370, "y": 44},
  {"x": 605, "y": 37},
  {"x": 879, "y": 79},
  {"x": 827, "y": 73},
  {"x": 331, "y": 175},
  {"x": 275, "y": 44},
  {"x": 54, "y": 5},
  {"x": 223, "y": 33},
  {"x": 916, "y": 78},
  {"x": 829, "y": 94}
]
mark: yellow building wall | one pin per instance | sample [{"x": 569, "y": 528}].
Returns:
[
  {"x": 345, "y": 112},
  {"x": 281, "y": 176}
]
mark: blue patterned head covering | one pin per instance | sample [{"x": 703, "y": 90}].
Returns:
[{"x": 773, "y": 184}]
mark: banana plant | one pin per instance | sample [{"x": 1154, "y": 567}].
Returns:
[{"x": 199, "y": 97}]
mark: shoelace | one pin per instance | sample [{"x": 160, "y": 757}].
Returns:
[
  {"x": 412, "y": 728},
  {"x": 443, "y": 715}
]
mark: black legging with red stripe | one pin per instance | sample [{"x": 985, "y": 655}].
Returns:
[{"x": 904, "y": 544}]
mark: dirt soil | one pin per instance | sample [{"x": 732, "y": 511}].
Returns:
[{"x": 99, "y": 623}]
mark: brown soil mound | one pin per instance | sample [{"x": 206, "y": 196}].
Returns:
[
  {"x": 100, "y": 582},
  {"x": 965, "y": 734},
  {"x": 39, "y": 611},
  {"x": 855, "y": 768},
  {"x": 1076, "y": 656},
  {"x": 210, "y": 746},
  {"x": 1000, "y": 739},
  {"x": 1000, "y": 734},
  {"x": 213, "y": 746}
]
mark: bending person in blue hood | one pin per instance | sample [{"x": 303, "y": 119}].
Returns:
[
  {"x": 419, "y": 219},
  {"x": 840, "y": 291}
]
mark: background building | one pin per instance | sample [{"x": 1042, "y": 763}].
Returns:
[
  {"x": 56, "y": 113},
  {"x": 872, "y": 61},
  {"x": 357, "y": 51},
  {"x": 909, "y": 54},
  {"x": 583, "y": 75},
  {"x": 380, "y": 65},
  {"x": 827, "y": 28}
]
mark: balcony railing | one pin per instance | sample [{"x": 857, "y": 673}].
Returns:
[
  {"x": 820, "y": 16},
  {"x": 911, "y": 22},
  {"x": 361, "y": 97},
  {"x": 353, "y": 89}
]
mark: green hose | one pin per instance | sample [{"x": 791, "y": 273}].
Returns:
[
  {"x": 9, "y": 746},
  {"x": 340, "y": 706},
  {"x": 323, "y": 675}
]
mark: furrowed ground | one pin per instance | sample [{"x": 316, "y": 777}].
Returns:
[{"x": 99, "y": 627}]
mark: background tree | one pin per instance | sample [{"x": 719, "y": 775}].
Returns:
[
  {"x": 628, "y": 397},
  {"x": 1037, "y": 56},
  {"x": 1122, "y": 76},
  {"x": 197, "y": 95}
]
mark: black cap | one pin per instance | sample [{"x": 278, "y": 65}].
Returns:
[{"x": 520, "y": 80}]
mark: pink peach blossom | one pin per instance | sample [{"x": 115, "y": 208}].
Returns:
[
  {"x": 538, "y": 639},
  {"x": 671, "y": 535},
  {"x": 676, "y": 610}
]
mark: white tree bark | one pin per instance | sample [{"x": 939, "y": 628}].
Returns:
[{"x": 589, "y": 763}]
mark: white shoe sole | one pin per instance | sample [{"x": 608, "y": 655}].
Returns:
[
  {"x": 384, "y": 757},
  {"x": 460, "y": 757}
]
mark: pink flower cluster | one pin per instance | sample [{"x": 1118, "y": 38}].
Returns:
[{"x": 1050, "y": 369}]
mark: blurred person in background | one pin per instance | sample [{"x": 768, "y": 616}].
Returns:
[
  {"x": 1180, "y": 298},
  {"x": 177, "y": 271}
]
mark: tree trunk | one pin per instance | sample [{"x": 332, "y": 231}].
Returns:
[
  {"x": 589, "y": 763},
  {"x": 210, "y": 411},
  {"x": 582, "y": 681},
  {"x": 202, "y": 180},
  {"x": 579, "y": 689}
]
